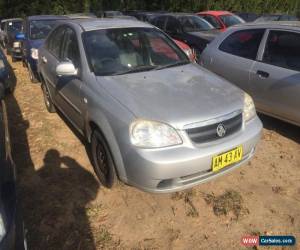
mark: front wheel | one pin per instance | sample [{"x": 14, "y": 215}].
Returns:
[
  {"x": 102, "y": 160},
  {"x": 47, "y": 99}
]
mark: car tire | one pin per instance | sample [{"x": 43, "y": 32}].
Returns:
[
  {"x": 102, "y": 160},
  {"x": 32, "y": 77},
  {"x": 47, "y": 99}
]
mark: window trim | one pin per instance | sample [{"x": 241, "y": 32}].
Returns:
[
  {"x": 265, "y": 39},
  {"x": 240, "y": 30}
]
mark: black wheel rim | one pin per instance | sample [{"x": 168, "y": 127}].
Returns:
[{"x": 101, "y": 158}]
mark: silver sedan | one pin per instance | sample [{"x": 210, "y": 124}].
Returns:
[
  {"x": 264, "y": 60},
  {"x": 152, "y": 118}
]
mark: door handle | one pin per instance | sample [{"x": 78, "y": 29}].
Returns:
[
  {"x": 44, "y": 59},
  {"x": 262, "y": 74}
]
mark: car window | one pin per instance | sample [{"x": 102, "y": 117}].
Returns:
[
  {"x": 230, "y": 20},
  {"x": 244, "y": 43},
  {"x": 70, "y": 51},
  {"x": 283, "y": 50},
  {"x": 212, "y": 20},
  {"x": 194, "y": 24},
  {"x": 39, "y": 29},
  {"x": 173, "y": 25},
  {"x": 121, "y": 50},
  {"x": 55, "y": 41},
  {"x": 14, "y": 26}
]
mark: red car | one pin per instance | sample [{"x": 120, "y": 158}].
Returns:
[
  {"x": 187, "y": 50},
  {"x": 221, "y": 19}
]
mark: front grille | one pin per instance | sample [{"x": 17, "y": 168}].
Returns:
[{"x": 209, "y": 133}]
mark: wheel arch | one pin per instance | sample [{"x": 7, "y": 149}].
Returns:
[{"x": 106, "y": 131}]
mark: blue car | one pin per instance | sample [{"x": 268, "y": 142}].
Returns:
[{"x": 36, "y": 29}]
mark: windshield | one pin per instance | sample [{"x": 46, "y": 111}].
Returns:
[
  {"x": 14, "y": 26},
  {"x": 230, "y": 20},
  {"x": 39, "y": 29},
  {"x": 194, "y": 23},
  {"x": 128, "y": 50}
]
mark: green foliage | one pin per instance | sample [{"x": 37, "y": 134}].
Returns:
[{"x": 14, "y": 8}]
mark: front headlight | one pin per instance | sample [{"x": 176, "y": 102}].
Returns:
[
  {"x": 151, "y": 134},
  {"x": 249, "y": 109},
  {"x": 16, "y": 45},
  {"x": 34, "y": 53},
  {"x": 2, "y": 228}
]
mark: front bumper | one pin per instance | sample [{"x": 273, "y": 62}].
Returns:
[
  {"x": 16, "y": 53},
  {"x": 184, "y": 166}
]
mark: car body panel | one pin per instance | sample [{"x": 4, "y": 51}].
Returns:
[{"x": 9, "y": 203}]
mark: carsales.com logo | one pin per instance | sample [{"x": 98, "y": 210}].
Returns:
[{"x": 267, "y": 240}]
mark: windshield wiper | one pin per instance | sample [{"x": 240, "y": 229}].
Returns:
[
  {"x": 172, "y": 65},
  {"x": 136, "y": 69}
]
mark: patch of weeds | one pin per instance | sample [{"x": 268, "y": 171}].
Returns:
[
  {"x": 93, "y": 210},
  {"x": 103, "y": 237},
  {"x": 186, "y": 196},
  {"x": 230, "y": 201}
]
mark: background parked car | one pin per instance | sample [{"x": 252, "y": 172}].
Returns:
[
  {"x": 265, "y": 62},
  {"x": 188, "y": 28},
  {"x": 6, "y": 75},
  {"x": 11, "y": 224},
  {"x": 36, "y": 29},
  {"x": 221, "y": 19},
  {"x": 110, "y": 78},
  {"x": 276, "y": 17},
  {"x": 11, "y": 28},
  {"x": 247, "y": 16}
]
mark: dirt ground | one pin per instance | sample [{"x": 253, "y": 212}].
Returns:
[{"x": 65, "y": 207}]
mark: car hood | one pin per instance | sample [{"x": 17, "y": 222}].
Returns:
[
  {"x": 208, "y": 35},
  {"x": 178, "y": 96}
]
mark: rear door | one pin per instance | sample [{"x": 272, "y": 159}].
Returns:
[
  {"x": 235, "y": 56},
  {"x": 275, "y": 77}
]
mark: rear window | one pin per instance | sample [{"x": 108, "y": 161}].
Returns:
[
  {"x": 230, "y": 20},
  {"x": 244, "y": 43},
  {"x": 14, "y": 26},
  {"x": 283, "y": 50}
]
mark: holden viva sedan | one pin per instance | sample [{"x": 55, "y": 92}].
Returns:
[{"x": 152, "y": 118}]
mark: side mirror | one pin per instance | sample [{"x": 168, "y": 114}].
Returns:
[
  {"x": 20, "y": 36},
  {"x": 2, "y": 91},
  {"x": 66, "y": 69}
]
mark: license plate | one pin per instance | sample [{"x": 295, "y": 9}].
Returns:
[{"x": 226, "y": 159}]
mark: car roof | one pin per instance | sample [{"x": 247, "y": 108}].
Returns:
[
  {"x": 89, "y": 24},
  {"x": 11, "y": 19},
  {"x": 45, "y": 17},
  {"x": 271, "y": 24},
  {"x": 216, "y": 12}
]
